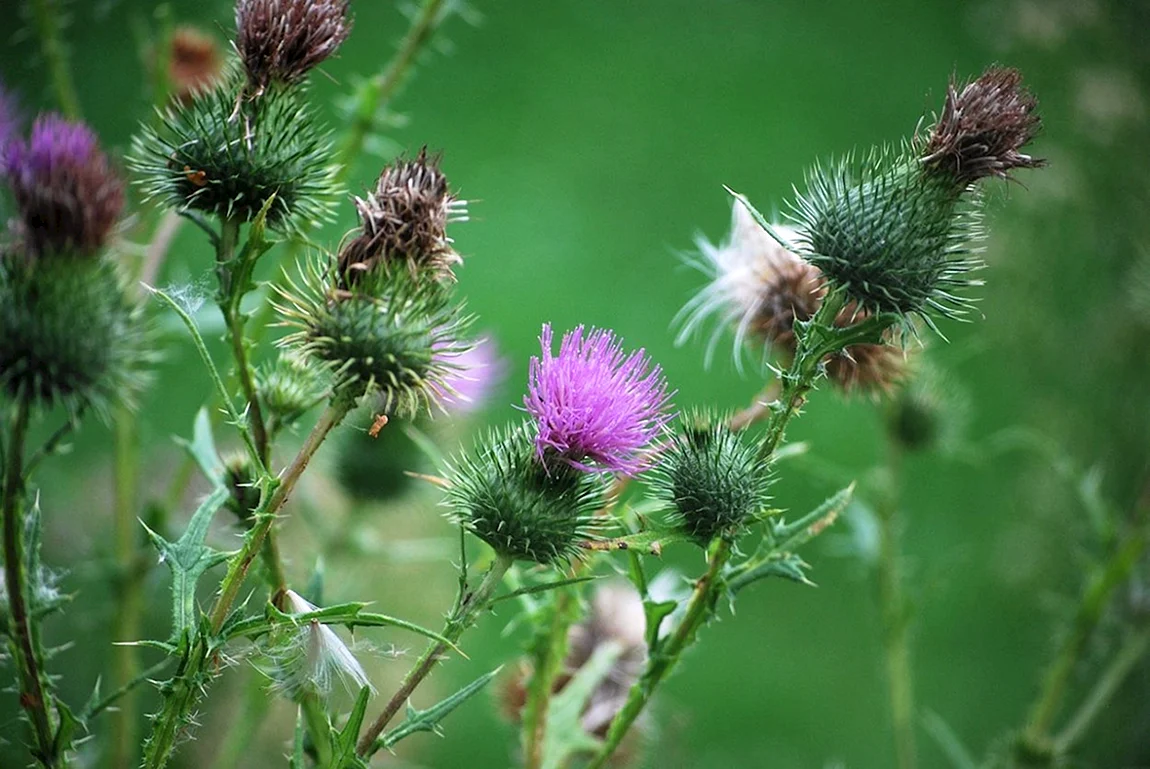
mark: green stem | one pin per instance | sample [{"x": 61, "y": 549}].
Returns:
[
  {"x": 1095, "y": 597},
  {"x": 184, "y": 689},
  {"x": 895, "y": 617},
  {"x": 377, "y": 92},
  {"x": 461, "y": 619},
  {"x": 129, "y": 579},
  {"x": 319, "y": 728},
  {"x": 44, "y": 13},
  {"x": 815, "y": 342},
  {"x": 663, "y": 660},
  {"x": 34, "y": 694},
  {"x": 548, "y": 664},
  {"x": 266, "y": 515},
  {"x": 1110, "y": 681}
]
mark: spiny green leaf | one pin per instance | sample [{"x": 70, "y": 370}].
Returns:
[
  {"x": 785, "y": 565},
  {"x": 790, "y": 536},
  {"x": 656, "y": 612},
  {"x": 532, "y": 589},
  {"x": 202, "y": 448},
  {"x": 343, "y": 746},
  {"x": 188, "y": 558},
  {"x": 429, "y": 720}
]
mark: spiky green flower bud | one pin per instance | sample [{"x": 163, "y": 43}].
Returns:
[
  {"x": 225, "y": 155},
  {"x": 389, "y": 334},
  {"x": 898, "y": 228},
  {"x": 288, "y": 388},
  {"x": 71, "y": 335},
  {"x": 504, "y": 495},
  {"x": 240, "y": 479},
  {"x": 712, "y": 480}
]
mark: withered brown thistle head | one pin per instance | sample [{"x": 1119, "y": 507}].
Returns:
[
  {"x": 405, "y": 220},
  {"x": 983, "y": 128},
  {"x": 281, "y": 40}
]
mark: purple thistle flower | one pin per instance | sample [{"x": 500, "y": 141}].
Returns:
[
  {"x": 596, "y": 407},
  {"x": 68, "y": 196},
  {"x": 475, "y": 374}
]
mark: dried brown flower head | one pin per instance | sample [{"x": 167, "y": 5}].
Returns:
[
  {"x": 405, "y": 220},
  {"x": 281, "y": 40},
  {"x": 867, "y": 369},
  {"x": 195, "y": 63},
  {"x": 983, "y": 128}
]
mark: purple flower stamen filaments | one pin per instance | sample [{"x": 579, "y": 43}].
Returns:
[{"x": 596, "y": 407}]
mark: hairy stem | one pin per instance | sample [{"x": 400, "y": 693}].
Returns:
[
  {"x": 1096, "y": 596},
  {"x": 34, "y": 695},
  {"x": 462, "y": 618},
  {"x": 46, "y": 15},
  {"x": 895, "y": 617},
  {"x": 1132, "y": 651},
  {"x": 126, "y": 625},
  {"x": 796, "y": 383},
  {"x": 661, "y": 662},
  {"x": 378, "y": 91}
]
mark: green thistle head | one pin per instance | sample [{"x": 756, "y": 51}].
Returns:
[
  {"x": 713, "y": 482},
  {"x": 502, "y": 493},
  {"x": 72, "y": 336},
  {"x": 390, "y": 334},
  {"x": 225, "y": 155},
  {"x": 288, "y": 388}
]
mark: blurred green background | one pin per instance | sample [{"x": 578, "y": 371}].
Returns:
[{"x": 595, "y": 137}]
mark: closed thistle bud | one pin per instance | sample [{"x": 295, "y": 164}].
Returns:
[
  {"x": 288, "y": 388},
  {"x": 898, "y": 229},
  {"x": 404, "y": 221},
  {"x": 279, "y": 41},
  {"x": 240, "y": 479},
  {"x": 712, "y": 481},
  {"x": 221, "y": 155},
  {"x": 504, "y": 495},
  {"x": 67, "y": 196},
  {"x": 390, "y": 334}
]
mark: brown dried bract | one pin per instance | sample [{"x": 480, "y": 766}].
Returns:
[
  {"x": 983, "y": 128},
  {"x": 281, "y": 40},
  {"x": 404, "y": 219}
]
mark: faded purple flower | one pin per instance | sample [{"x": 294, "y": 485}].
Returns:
[
  {"x": 596, "y": 407},
  {"x": 67, "y": 194},
  {"x": 281, "y": 40},
  {"x": 475, "y": 374}
]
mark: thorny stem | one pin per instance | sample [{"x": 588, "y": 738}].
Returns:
[
  {"x": 895, "y": 617},
  {"x": 183, "y": 690},
  {"x": 32, "y": 687},
  {"x": 1108, "y": 683},
  {"x": 1095, "y": 597},
  {"x": 548, "y": 664},
  {"x": 461, "y": 619},
  {"x": 129, "y": 586},
  {"x": 378, "y": 91},
  {"x": 266, "y": 515},
  {"x": 46, "y": 16},
  {"x": 663, "y": 660},
  {"x": 797, "y": 381}
]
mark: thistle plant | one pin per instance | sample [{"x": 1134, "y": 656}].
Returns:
[{"x": 602, "y": 472}]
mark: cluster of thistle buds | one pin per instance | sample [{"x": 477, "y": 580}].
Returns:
[
  {"x": 894, "y": 232},
  {"x": 72, "y": 331}
]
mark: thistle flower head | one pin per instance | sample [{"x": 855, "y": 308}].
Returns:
[
  {"x": 279, "y": 41},
  {"x": 289, "y": 387},
  {"x": 757, "y": 287},
  {"x": 713, "y": 481},
  {"x": 194, "y": 64},
  {"x": 596, "y": 407},
  {"x": 502, "y": 494},
  {"x": 390, "y": 334},
  {"x": 310, "y": 657},
  {"x": 404, "y": 220},
  {"x": 983, "y": 128},
  {"x": 206, "y": 155},
  {"x": 66, "y": 193},
  {"x": 240, "y": 478}
]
